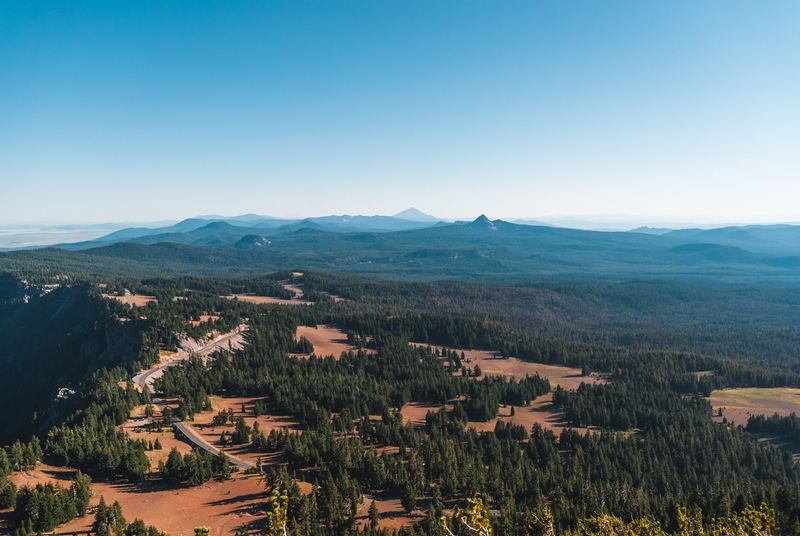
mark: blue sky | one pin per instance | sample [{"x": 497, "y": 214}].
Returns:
[{"x": 113, "y": 111}]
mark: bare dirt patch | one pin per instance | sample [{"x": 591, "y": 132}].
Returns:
[
  {"x": 297, "y": 288},
  {"x": 327, "y": 340},
  {"x": 139, "y": 300},
  {"x": 42, "y": 475},
  {"x": 540, "y": 411},
  {"x": 222, "y": 506},
  {"x": 298, "y": 299},
  {"x": 491, "y": 365},
  {"x": 136, "y": 428},
  {"x": 294, "y": 287},
  {"x": 266, "y": 299},
  {"x": 415, "y": 412},
  {"x": 266, "y": 423},
  {"x": 204, "y": 319},
  {"x": 391, "y": 510}
]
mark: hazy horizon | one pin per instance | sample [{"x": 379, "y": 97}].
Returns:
[
  {"x": 598, "y": 219},
  {"x": 42, "y": 234}
]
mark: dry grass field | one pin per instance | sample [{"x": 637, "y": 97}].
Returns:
[
  {"x": 540, "y": 411},
  {"x": 266, "y": 299},
  {"x": 222, "y": 506},
  {"x": 204, "y": 319},
  {"x": 739, "y": 404},
  {"x": 138, "y": 300},
  {"x": 135, "y": 427},
  {"x": 296, "y": 300},
  {"x": 267, "y": 423},
  {"x": 327, "y": 340},
  {"x": 566, "y": 377}
]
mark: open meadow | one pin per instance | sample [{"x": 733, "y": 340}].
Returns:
[
  {"x": 222, "y": 506},
  {"x": 739, "y": 404},
  {"x": 327, "y": 340},
  {"x": 540, "y": 411}
]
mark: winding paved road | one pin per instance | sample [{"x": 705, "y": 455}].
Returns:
[{"x": 146, "y": 378}]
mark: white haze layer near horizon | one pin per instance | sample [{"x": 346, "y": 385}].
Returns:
[{"x": 39, "y": 234}]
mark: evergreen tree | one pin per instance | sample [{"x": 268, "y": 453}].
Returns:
[
  {"x": 374, "y": 515},
  {"x": 82, "y": 492}
]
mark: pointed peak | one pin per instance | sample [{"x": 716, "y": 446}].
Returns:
[
  {"x": 413, "y": 214},
  {"x": 483, "y": 223}
]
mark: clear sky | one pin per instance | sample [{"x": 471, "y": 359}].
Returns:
[{"x": 114, "y": 111}]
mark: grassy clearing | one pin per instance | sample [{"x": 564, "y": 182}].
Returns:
[{"x": 739, "y": 404}]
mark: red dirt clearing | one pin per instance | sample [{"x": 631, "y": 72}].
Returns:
[
  {"x": 135, "y": 427},
  {"x": 298, "y": 298},
  {"x": 204, "y": 319},
  {"x": 267, "y": 423},
  {"x": 415, "y": 412},
  {"x": 392, "y": 514},
  {"x": 222, "y": 506},
  {"x": 294, "y": 287},
  {"x": 266, "y": 299},
  {"x": 138, "y": 300},
  {"x": 567, "y": 377},
  {"x": 327, "y": 340},
  {"x": 540, "y": 411}
]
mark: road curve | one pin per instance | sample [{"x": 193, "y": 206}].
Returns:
[
  {"x": 195, "y": 438},
  {"x": 145, "y": 379}
]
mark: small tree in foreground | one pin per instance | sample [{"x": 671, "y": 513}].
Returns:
[
  {"x": 750, "y": 522},
  {"x": 276, "y": 519},
  {"x": 476, "y": 519}
]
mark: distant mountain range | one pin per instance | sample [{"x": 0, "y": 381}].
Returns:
[
  {"x": 390, "y": 246},
  {"x": 220, "y": 230}
]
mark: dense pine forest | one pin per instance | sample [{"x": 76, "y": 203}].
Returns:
[{"x": 641, "y": 446}]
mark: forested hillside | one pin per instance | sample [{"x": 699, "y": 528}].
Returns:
[
  {"x": 49, "y": 343},
  {"x": 640, "y": 444},
  {"x": 751, "y": 323},
  {"x": 482, "y": 250}
]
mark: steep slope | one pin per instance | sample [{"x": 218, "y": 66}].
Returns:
[{"x": 53, "y": 341}]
